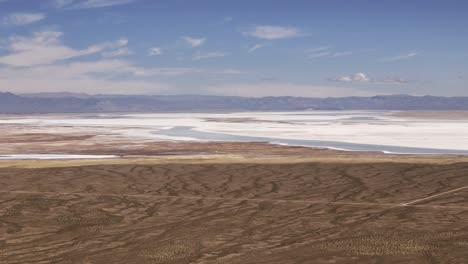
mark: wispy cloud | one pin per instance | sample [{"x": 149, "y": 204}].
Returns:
[
  {"x": 318, "y": 52},
  {"x": 118, "y": 53},
  {"x": 145, "y": 72},
  {"x": 19, "y": 19},
  {"x": 256, "y": 47},
  {"x": 42, "y": 61},
  {"x": 88, "y": 4},
  {"x": 404, "y": 56},
  {"x": 208, "y": 55},
  {"x": 273, "y": 32},
  {"x": 363, "y": 78},
  {"x": 194, "y": 42},
  {"x": 155, "y": 51},
  {"x": 99, "y": 76},
  {"x": 326, "y": 51},
  {"x": 45, "y": 47},
  {"x": 342, "y": 54},
  {"x": 88, "y": 77},
  {"x": 226, "y": 20},
  {"x": 318, "y": 49}
]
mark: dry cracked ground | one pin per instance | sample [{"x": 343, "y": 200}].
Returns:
[{"x": 247, "y": 211}]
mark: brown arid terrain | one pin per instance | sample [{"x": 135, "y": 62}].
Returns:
[
  {"x": 235, "y": 209},
  {"x": 225, "y": 202}
]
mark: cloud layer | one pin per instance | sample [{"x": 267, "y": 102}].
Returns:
[
  {"x": 88, "y": 4},
  {"x": 326, "y": 51},
  {"x": 45, "y": 47},
  {"x": 42, "y": 62},
  {"x": 404, "y": 56},
  {"x": 256, "y": 47},
  {"x": 273, "y": 32},
  {"x": 363, "y": 78},
  {"x": 19, "y": 19},
  {"x": 41, "y": 59},
  {"x": 194, "y": 42}
]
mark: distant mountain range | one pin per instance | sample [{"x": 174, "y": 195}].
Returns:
[{"x": 82, "y": 103}]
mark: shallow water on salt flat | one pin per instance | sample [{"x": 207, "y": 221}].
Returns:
[{"x": 348, "y": 130}]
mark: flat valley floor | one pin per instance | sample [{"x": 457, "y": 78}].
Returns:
[{"x": 223, "y": 209}]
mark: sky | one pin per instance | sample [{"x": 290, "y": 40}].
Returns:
[{"x": 314, "y": 48}]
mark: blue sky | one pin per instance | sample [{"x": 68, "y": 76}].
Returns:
[{"x": 248, "y": 48}]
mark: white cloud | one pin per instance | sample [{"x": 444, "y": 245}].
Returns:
[
  {"x": 85, "y": 85},
  {"x": 402, "y": 56},
  {"x": 87, "y": 4},
  {"x": 19, "y": 19},
  {"x": 360, "y": 77},
  {"x": 363, "y": 78},
  {"x": 194, "y": 42},
  {"x": 118, "y": 53},
  {"x": 104, "y": 68},
  {"x": 89, "y": 77},
  {"x": 273, "y": 32},
  {"x": 154, "y": 51},
  {"x": 256, "y": 47},
  {"x": 45, "y": 47},
  {"x": 357, "y": 77},
  {"x": 208, "y": 55},
  {"x": 169, "y": 72},
  {"x": 101, "y": 76},
  {"x": 41, "y": 62}
]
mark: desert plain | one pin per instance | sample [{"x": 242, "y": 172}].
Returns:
[{"x": 225, "y": 202}]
